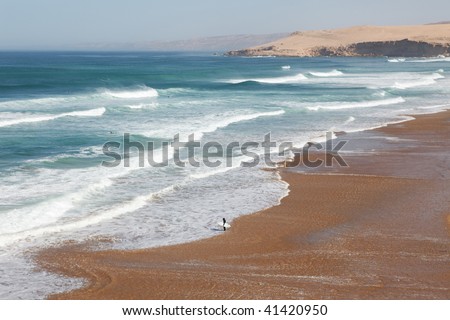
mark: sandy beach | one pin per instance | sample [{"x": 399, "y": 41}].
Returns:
[{"x": 378, "y": 229}]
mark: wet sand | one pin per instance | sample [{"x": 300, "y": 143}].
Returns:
[{"x": 378, "y": 229}]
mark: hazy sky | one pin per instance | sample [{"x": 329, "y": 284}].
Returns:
[{"x": 63, "y": 23}]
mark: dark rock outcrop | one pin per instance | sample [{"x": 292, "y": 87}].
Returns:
[{"x": 401, "y": 48}]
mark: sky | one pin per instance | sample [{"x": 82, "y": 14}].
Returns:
[{"x": 40, "y": 24}]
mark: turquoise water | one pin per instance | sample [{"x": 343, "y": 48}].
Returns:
[{"x": 58, "y": 109}]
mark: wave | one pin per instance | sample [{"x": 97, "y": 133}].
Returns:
[
  {"x": 258, "y": 57},
  {"x": 133, "y": 205},
  {"x": 364, "y": 104},
  {"x": 176, "y": 91},
  {"x": 397, "y": 60},
  {"x": 432, "y": 109},
  {"x": 276, "y": 80},
  {"x": 435, "y": 59},
  {"x": 212, "y": 121},
  {"x": 425, "y": 81},
  {"x": 380, "y": 93},
  {"x": 52, "y": 224},
  {"x": 349, "y": 120},
  {"x": 88, "y": 113},
  {"x": 210, "y": 173},
  {"x": 286, "y": 67},
  {"x": 380, "y": 81},
  {"x": 88, "y": 99},
  {"x": 144, "y": 92},
  {"x": 435, "y": 106},
  {"x": 49, "y": 211},
  {"x": 83, "y": 153},
  {"x": 20, "y": 118},
  {"x": 334, "y": 73},
  {"x": 38, "y": 104},
  {"x": 142, "y": 106},
  {"x": 412, "y": 84},
  {"x": 235, "y": 119}
]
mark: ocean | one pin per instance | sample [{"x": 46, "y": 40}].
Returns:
[{"x": 59, "y": 109}]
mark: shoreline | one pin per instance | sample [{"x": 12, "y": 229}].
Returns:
[{"x": 333, "y": 237}]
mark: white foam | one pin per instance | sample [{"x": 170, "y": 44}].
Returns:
[
  {"x": 136, "y": 203},
  {"x": 145, "y": 92},
  {"x": 377, "y": 81},
  {"x": 142, "y": 106},
  {"x": 49, "y": 211},
  {"x": 425, "y": 81},
  {"x": 20, "y": 118},
  {"x": 349, "y": 120},
  {"x": 276, "y": 80},
  {"x": 48, "y": 223},
  {"x": 87, "y": 113},
  {"x": 412, "y": 84},
  {"x": 334, "y": 73},
  {"x": 237, "y": 118},
  {"x": 397, "y": 60},
  {"x": 86, "y": 152},
  {"x": 436, "y": 59},
  {"x": 209, "y": 173},
  {"x": 260, "y": 57},
  {"x": 323, "y": 138},
  {"x": 381, "y": 93},
  {"x": 39, "y": 103},
  {"x": 91, "y": 151},
  {"x": 399, "y": 119},
  {"x": 432, "y": 109},
  {"x": 286, "y": 67},
  {"x": 206, "y": 124},
  {"x": 175, "y": 91},
  {"x": 364, "y": 104},
  {"x": 44, "y": 217}
]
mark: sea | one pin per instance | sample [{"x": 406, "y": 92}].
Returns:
[{"x": 67, "y": 175}]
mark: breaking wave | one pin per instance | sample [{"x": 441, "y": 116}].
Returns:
[
  {"x": 276, "y": 80},
  {"x": 364, "y": 104},
  {"x": 334, "y": 73},
  {"x": 19, "y": 118},
  {"x": 425, "y": 81},
  {"x": 144, "y": 92}
]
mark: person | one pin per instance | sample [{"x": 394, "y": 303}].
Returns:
[{"x": 224, "y": 223}]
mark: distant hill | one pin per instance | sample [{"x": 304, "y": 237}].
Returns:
[
  {"x": 442, "y": 22},
  {"x": 216, "y": 44},
  {"x": 401, "y": 41}
]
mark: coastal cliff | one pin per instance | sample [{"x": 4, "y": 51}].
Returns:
[{"x": 398, "y": 41}]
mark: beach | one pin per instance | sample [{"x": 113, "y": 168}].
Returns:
[
  {"x": 60, "y": 188},
  {"x": 377, "y": 229}
]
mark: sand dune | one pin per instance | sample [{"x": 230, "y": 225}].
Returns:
[{"x": 405, "y": 41}]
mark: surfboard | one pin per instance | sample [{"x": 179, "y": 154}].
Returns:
[{"x": 227, "y": 225}]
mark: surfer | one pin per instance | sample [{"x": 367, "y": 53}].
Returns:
[{"x": 224, "y": 224}]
